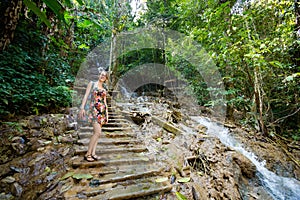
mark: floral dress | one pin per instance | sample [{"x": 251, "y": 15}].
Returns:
[{"x": 97, "y": 107}]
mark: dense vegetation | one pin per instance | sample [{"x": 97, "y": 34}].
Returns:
[{"x": 256, "y": 49}]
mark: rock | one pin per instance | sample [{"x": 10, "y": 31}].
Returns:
[
  {"x": 66, "y": 139},
  {"x": 201, "y": 128},
  {"x": 34, "y": 122},
  {"x": 16, "y": 189},
  {"x": 65, "y": 151},
  {"x": 19, "y": 170},
  {"x": 72, "y": 126},
  {"x": 8, "y": 179},
  {"x": 198, "y": 192},
  {"x": 51, "y": 177},
  {"x": 168, "y": 126},
  {"x": 6, "y": 196},
  {"x": 248, "y": 169},
  {"x": 35, "y": 133},
  {"x": 18, "y": 145},
  {"x": 228, "y": 125}
]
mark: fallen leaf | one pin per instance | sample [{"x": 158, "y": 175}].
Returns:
[
  {"x": 184, "y": 180},
  {"x": 180, "y": 196},
  {"x": 67, "y": 175},
  {"x": 163, "y": 179},
  {"x": 82, "y": 176}
]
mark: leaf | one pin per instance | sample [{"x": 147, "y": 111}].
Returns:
[
  {"x": 79, "y": 1},
  {"x": 47, "y": 169},
  {"x": 67, "y": 175},
  {"x": 85, "y": 24},
  {"x": 290, "y": 78},
  {"x": 32, "y": 6},
  {"x": 82, "y": 176},
  {"x": 200, "y": 173},
  {"x": 56, "y": 7},
  {"x": 5, "y": 101},
  {"x": 163, "y": 179},
  {"x": 83, "y": 46},
  {"x": 69, "y": 3},
  {"x": 184, "y": 180},
  {"x": 277, "y": 64},
  {"x": 180, "y": 196}
]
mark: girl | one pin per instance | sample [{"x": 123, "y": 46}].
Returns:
[{"x": 97, "y": 113}]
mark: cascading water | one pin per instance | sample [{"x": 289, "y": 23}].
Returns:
[
  {"x": 281, "y": 188},
  {"x": 240, "y": 6}
]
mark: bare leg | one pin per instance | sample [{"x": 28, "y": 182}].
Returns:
[
  {"x": 94, "y": 139},
  {"x": 97, "y": 132}
]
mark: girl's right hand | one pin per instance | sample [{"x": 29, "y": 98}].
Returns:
[{"x": 81, "y": 113}]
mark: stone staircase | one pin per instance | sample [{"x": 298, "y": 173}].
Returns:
[{"x": 124, "y": 171}]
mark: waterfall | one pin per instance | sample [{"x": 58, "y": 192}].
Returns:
[
  {"x": 240, "y": 5},
  {"x": 281, "y": 188}
]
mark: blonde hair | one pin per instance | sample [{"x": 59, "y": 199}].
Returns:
[{"x": 106, "y": 74}]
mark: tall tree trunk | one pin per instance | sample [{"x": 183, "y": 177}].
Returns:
[
  {"x": 9, "y": 21},
  {"x": 259, "y": 100},
  {"x": 229, "y": 107},
  {"x": 297, "y": 13},
  {"x": 113, "y": 67}
]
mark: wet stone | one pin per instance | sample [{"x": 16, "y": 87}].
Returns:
[
  {"x": 17, "y": 189},
  {"x": 8, "y": 179},
  {"x": 247, "y": 167},
  {"x": 94, "y": 183},
  {"x": 6, "y": 196}
]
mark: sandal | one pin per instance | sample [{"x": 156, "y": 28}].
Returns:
[
  {"x": 89, "y": 158},
  {"x": 95, "y": 157}
]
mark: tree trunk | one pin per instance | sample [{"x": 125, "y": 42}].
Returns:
[
  {"x": 229, "y": 107},
  {"x": 113, "y": 62},
  {"x": 297, "y": 13},
  {"x": 259, "y": 100},
  {"x": 9, "y": 21}
]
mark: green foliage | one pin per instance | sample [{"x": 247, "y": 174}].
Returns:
[
  {"x": 31, "y": 82},
  {"x": 180, "y": 196},
  {"x": 32, "y": 6},
  {"x": 39, "y": 67},
  {"x": 259, "y": 40}
]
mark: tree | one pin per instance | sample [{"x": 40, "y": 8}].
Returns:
[{"x": 9, "y": 21}]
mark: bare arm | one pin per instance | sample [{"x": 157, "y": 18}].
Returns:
[{"x": 87, "y": 91}]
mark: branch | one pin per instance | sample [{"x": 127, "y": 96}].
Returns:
[{"x": 286, "y": 116}]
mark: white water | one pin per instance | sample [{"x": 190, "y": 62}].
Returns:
[
  {"x": 281, "y": 188},
  {"x": 240, "y": 6}
]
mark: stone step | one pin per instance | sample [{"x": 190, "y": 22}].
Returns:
[
  {"x": 114, "y": 169},
  {"x": 122, "y": 156},
  {"x": 119, "y": 120},
  {"x": 108, "y": 129},
  {"x": 135, "y": 173},
  {"x": 109, "y": 146},
  {"x": 107, "y": 134},
  {"x": 124, "y": 171},
  {"x": 115, "y": 116},
  {"x": 110, "y": 124},
  {"x": 78, "y": 161},
  {"x": 122, "y": 190},
  {"x": 81, "y": 150},
  {"x": 135, "y": 191},
  {"x": 114, "y": 124},
  {"x": 110, "y": 141}
]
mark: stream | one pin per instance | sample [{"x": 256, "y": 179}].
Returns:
[{"x": 281, "y": 188}]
